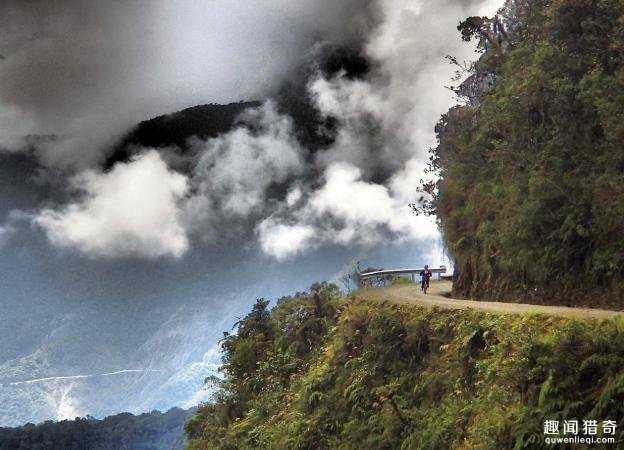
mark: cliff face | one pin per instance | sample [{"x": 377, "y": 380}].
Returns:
[
  {"x": 320, "y": 372},
  {"x": 529, "y": 196}
]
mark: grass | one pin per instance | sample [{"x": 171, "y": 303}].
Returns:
[{"x": 398, "y": 281}]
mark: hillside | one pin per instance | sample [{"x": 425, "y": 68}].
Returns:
[
  {"x": 321, "y": 372},
  {"x": 530, "y": 198},
  {"x": 149, "y": 431},
  {"x": 202, "y": 121}
]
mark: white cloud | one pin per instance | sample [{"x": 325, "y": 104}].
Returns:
[
  {"x": 386, "y": 125},
  {"x": 489, "y": 7},
  {"x": 344, "y": 210},
  {"x": 388, "y": 118},
  {"x": 294, "y": 196},
  {"x": 133, "y": 210},
  {"x": 357, "y": 203},
  {"x": 283, "y": 241},
  {"x": 372, "y": 172},
  {"x": 364, "y": 210},
  {"x": 143, "y": 208},
  {"x": 237, "y": 168}
]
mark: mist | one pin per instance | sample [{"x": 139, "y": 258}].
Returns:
[{"x": 76, "y": 75}]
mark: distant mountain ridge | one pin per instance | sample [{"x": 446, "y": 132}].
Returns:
[
  {"x": 153, "y": 431},
  {"x": 202, "y": 121},
  {"x": 314, "y": 130}
]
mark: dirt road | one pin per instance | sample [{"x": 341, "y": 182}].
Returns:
[{"x": 435, "y": 297}]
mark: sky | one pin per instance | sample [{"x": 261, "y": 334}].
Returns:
[{"x": 77, "y": 75}]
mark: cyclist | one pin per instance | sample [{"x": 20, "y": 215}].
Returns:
[{"x": 425, "y": 276}]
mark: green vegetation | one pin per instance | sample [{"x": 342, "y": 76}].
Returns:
[
  {"x": 320, "y": 372},
  {"x": 150, "y": 431},
  {"x": 401, "y": 281},
  {"x": 531, "y": 194}
]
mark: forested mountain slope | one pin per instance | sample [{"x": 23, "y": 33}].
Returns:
[
  {"x": 320, "y": 372},
  {"x": 174, "y": 130},
  {"x": 531, "y": 194},
  {"x": 149, "y": 431}
]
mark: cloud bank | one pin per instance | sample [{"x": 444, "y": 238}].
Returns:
[
  {"x": 258, "y": 181},
  {"x": 76, "y": 74},
  {"x": 372, "y": 172},
  {"x": 131, "y": 211}
]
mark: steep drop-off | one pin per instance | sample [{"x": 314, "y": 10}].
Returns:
[{"x": 320, "y": 372}]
